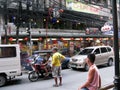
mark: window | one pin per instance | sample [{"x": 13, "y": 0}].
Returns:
[
  {"x": 7, "y": 52},
  {"x": 103, "y": 50},
  {"x": 86, "y": 51},
  {"x": 109, "y": 49},
  {"x": 97, "y": 51}
]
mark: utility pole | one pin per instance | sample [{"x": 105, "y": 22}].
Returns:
[
  {"x": 5, "y": 18},
  {"x": 18, "y": 21},
  {"x": 116, "y": 46},
  {"x": 29, "y": 27}
]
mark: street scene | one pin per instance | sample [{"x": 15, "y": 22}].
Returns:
[
  {"x": 72, "y": 79},
  {"x": 60, "y": 44}
]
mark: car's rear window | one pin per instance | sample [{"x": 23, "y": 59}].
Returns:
[{"x": 86, "y": 52}]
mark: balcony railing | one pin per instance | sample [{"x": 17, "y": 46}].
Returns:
[{"x": 22, "y": 31}]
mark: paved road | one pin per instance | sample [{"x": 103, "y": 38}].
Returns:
[{"x": 71, "y": 80}]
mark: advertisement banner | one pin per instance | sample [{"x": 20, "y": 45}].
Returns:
[
  {"x": 107, "y": 30},
  {"x": 86, "y": 8}
]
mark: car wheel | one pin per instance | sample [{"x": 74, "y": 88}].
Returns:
[
  {"x": 86, "y": 67},
  {"x": 110, "y": 62},
  {"x": 3, "y": 80}
]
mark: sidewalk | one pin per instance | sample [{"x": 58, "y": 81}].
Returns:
[{"x": 108, "y": 87}]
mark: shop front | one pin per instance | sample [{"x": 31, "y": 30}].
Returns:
[{"x": 73, "y": 44}]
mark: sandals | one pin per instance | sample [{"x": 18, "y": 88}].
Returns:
[
  {"x": 55, "y": 85},
  {"x": 60, "y": 84}
]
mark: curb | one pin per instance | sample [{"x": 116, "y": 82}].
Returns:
[{"x": 108, "y": 86}]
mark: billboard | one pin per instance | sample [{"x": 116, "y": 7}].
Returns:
[
  {"x": 86, "y": 8},
  {"x": 107, "y": 30}
]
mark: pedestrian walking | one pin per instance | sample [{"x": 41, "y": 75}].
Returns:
[
  {"x": 94, "y": 81},
  {"x": 56, "y": 66}
]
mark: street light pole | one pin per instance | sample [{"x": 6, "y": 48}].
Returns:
[
  {"x": 5, "y": 18},
  {"x": 116, "y": 46},
  {"x": 29, "y": 27},
  {"x": 47, "y": 22},
  {"x": 18, "y": 21}
]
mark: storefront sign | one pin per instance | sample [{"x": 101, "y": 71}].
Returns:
[
  {"x": 92, "y": 31},
  {"x": 107, "y": 29},
  {"x": 92, "y": 9}
]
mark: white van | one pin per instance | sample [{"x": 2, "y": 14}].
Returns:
[{"x": 10, "y": 65}]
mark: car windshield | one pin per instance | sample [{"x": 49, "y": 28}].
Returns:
[{"x": 86, "y": 51}]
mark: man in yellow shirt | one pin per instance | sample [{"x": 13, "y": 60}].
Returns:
[{"x": 56, "y": 66}]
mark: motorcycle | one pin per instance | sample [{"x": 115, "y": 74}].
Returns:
[{"x": 38, "y": 70}]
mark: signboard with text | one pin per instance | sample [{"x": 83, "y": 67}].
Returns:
[
  {"x": 92, "y": 31},
  {"x": 107, "y": 30},
  {"x": 86, "y": 8}
]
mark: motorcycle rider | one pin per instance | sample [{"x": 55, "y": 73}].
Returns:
[{"x": 47, "y": 63}]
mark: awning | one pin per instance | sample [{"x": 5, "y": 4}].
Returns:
[{"x": 88, "y": 19}]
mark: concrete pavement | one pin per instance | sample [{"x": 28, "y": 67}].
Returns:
[
  {"x": 107, "y": 79},
  {"x": 105, "y": 87}
]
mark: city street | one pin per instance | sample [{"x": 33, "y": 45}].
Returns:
[
  {"x": 30, "y": 29},
  {"x": 72, "y": 79}
]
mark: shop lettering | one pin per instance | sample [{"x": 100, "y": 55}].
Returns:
[
  {"x": 80, "y": 6},
  {"x": 94, "y": 9},
  {"x": 85, "y": 8}
]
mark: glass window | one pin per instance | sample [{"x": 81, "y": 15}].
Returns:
[
  {"x": 86, "y": 52},
  {"x": 7, "y": 52},
  {"x": 97, "y": 51},
  {"x": 109, "y": 49},
  {"x": 103, "y": 50}
]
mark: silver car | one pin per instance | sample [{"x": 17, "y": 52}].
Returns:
[{"x": 104, "y": 55}]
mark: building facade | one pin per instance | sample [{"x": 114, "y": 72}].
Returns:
[{"x": 47, "y": 23}]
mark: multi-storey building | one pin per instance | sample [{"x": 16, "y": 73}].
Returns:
[{"x": 54, "y": 22}]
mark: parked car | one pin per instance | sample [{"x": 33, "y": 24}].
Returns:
[{"x": 104, "y": 55}]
